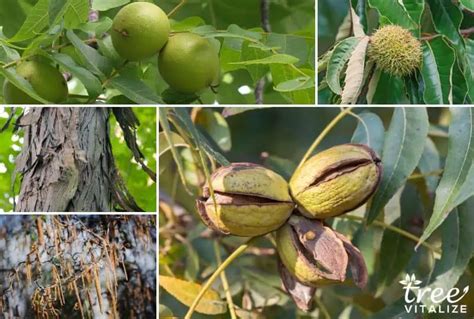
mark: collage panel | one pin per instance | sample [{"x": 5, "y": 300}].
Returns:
[
  {"x": 289, "y": 213},
  {"x": 78, "y": 159},
  {"x": 77, "y": 266},
  {"x": 395, "y": 52},
  {"x": 157, "y": 52}
]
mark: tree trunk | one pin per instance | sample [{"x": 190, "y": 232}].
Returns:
[{"x": 66, "y": 163}]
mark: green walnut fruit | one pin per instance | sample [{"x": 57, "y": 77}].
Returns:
[
  {"x": 250, "y": 200},
  {"x": 336, "y": 181},
  {"x": 395, "y": 50},
  {"x": 140, "y": 30},
  {"x": 46, "y": 80},
  {"x": 318, "y": 256},
  {"x": 189, "y": 63}
]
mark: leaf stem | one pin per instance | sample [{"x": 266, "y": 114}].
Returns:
[
  {"x": 394, "y": 229},
  {"x": 175, "y": 9},
  {"x": 323, "y": 134},
  {"x": 216, "y": 274},
  {"x": 225, "y": 283}
]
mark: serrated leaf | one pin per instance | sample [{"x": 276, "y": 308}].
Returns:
[
  {"x": 35, "y": 22},
  {"x": 355, "y": 73},
  {"x": 391, "y": 12},
  {"x": 90, "y": 82},
  {"x": 457, "y": 169},
  {"x": 95, "y": 62},
  {"x": 404, "y": 142},
  {"x": 437, "y": 71},
  {"x": 186, "y": 292},
  {"x": 104, "y": 5},
  {"x": 415, "y": 9},
  {"x": 369, "y": 131},
  {"x": 248, "y": 53},
  {"x": 458, "y": 246},
  {"x": 300, "y": 83},
  {"x": 273, "y": 59},
  {"x": 128, "y": 83},
  {"x": 447, "y": 18},
  {"x": 342, "y": 52}
]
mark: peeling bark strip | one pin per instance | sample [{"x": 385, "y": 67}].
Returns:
[{"x": 66, "y": 163}]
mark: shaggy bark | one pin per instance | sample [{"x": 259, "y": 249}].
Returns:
[{"x": 66, "y": 163}]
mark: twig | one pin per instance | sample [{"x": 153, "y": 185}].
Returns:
[
  {"x": 182, "y": 3},
  {"x": 323, "y": 134},
  {"x": 464, "y": 32},
  {"x": 265, "y": 21},
  {"x": 225, "y": 283},
  {"x": 239, "y": 251},
  {"x": 394, "y": 229}
]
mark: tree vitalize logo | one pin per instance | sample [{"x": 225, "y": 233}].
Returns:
[{"x": 429, "y": 299}]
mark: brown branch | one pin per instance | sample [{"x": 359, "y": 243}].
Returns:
[
  {"x": 464, "y": 32},
  {"x": 265, "y": 21}
]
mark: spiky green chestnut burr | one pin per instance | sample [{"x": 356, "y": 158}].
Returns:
[{"x": 395, "y": 50}]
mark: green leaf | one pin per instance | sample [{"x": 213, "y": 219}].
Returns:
[
  {"x": 354, "y": 79},
  {"x": 249, "y": 53},
  {"x": 273, "y": 59},
  {"x": 415, "y": 9},
  {"x": 216, "y": 126},
  {"x": 104, "y": 5},
  {"x": 447, "y": 18},
  {"x": 22, "y": 84},
  {"x": 402, "y": 151},
  {"x": 282, "y": 73},
  {"x": 300, "y": 83},
  {"x": 129, "y": 83},
  {"x": 458, "y": 164},
  {"x": 8, "y": 54},
  {"x": 94, "y": 61},
  {"x": 97, "y": 27},
  {"x": 430, "y": 162},
  {"x": 388, "y": 90},
  {"x": 369, "y": 131},
  {"x": 35, "y": 22},
  {"x": 186, "y": 292},
  {"x": 458, "y": 247},
  {"x": 187, "y": 24},
  {"x": 469, "y": 4},
  {"x": 74, "y": 12},
  {"x": 90, "y": 82},
  {"x": 392, "y": 12},
  {"x": 396, "y": 250},
  {"x": 468, "y": 63},
  {"x": 171, "y": 96},
  {"x": 199, "y": 139},
  {"x": 437, "y": 71},
  {"x": 342, "y": 52}
]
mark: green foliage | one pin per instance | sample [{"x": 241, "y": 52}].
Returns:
[
  {"x": 391, "y": 73},
  {"x": 426, "y": 191},
  {"x": 284, "y": 57}
]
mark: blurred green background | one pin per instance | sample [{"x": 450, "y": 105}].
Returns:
[{"x": 142, "y": 188}]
